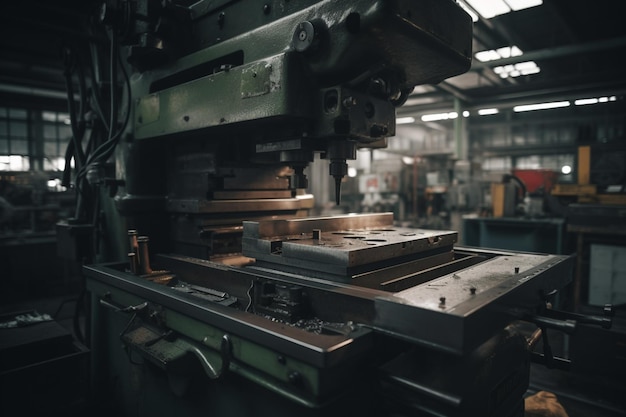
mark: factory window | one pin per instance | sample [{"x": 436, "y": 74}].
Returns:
[
  {"x": 553, "y": 162},
  {"x": 33, "y": 139},
  {"x": 497, "y": 163},
  {"x": 14, "y": 140},
  {"x": 56, "y": 134}
]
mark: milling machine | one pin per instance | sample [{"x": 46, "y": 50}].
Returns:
[{"x": 212, "y": 290}]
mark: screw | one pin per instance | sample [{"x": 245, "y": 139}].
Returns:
[
  {"x": 349, "y": 102},
  {"x": 442, "y": 300},
  {"x": 294, "y": 377}
]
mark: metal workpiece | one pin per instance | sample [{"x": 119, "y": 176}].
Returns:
[
  {"x": 341, "y": 245},
  {"x": 289, "y": 227}
]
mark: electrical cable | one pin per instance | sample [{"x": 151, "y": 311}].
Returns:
[{"x": 76, "y": 132}]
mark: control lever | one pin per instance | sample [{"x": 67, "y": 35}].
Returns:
[
  {"x": 562, "y": 321},
  {"x": 605, "y": 321}
]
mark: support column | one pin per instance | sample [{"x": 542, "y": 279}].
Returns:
[{"x": 460, "y": 132}]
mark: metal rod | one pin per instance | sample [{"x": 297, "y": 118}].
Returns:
[{"x": 144, "y": 255}]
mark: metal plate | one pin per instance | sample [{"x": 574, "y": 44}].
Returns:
[{"x": 340, "y": 244}]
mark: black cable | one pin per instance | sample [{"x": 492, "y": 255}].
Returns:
[
  {"x": 58, "y": 310},
  {"x": 113, "y": 74},
  {"x": 77, "y": 132}
]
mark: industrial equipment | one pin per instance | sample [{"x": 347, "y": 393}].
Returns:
[{"x": 212, "y": 290}]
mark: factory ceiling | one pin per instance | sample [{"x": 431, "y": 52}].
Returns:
[{"x": 576, "y": 45}]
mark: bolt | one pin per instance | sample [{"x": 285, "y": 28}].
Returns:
[
  {"x": 266, "y": 8},
  {"x": 294, "y": 377},
  {"x": 442, "y": 300},
  {"x": 302, "y": 35},
  {"x": 349, "y": 102},
  {"x": 281, "y": 359},
  {"x": 473, "y": 291}
]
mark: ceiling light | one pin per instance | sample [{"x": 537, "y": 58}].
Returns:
[
  {"x": 585, "y": 101},
  {"x": 486, "y": 112},
  {"x": 595, "y": 100},
  {"x": 521, "y": 68},
  {"x": 541, "y": 106},
  {"x": 491, "y": 8},
  {"x": 439, "y": 116},
  {"x": 566, "y": 169},
  {"x": 489, "y": 55},
  {"x": 466, "y": 113},
  {"x": 405, "y": 120},
  {"x": 495, "y": 54},
  {"x": 523, "y": 4},
  {"x": 408, "y": 160}
]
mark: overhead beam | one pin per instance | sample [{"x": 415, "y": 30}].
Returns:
[{"x": 552, "y": 53}]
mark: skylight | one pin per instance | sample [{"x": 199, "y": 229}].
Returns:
[
  {"x": 521, "y": 68},
  {"x": 495, "y": 54},
  {"x": 492, "y": 8},
  {"x": 510, "y": 70}
]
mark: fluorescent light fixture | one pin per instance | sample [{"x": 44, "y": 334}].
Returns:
[
  {"x": 486, "y": 112},
  {"x": 595, "y": 100},
  {"x": 516, "y": 5},
  {"x": 521, "y": 68},
  {"x": 541, "y": 106},
  {"x": 495, "y": 54},
  {"x": 491, "y": 8},
  {"x": 405, "y": 120},
  {"x": 408, "y": 160},
  {"x": 509, "y": 51},
  {"x": 439, "y": 116},
  {"x": 585, "y": 101},
  {"x": 488, "y": 55}
]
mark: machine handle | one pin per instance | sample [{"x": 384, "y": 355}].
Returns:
[
  {"x": 154, "y": 351},
  {"x": 225, "y": 351},
  {"x": 605, "y": 321},
  {"x": 105, "y": 301}
]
